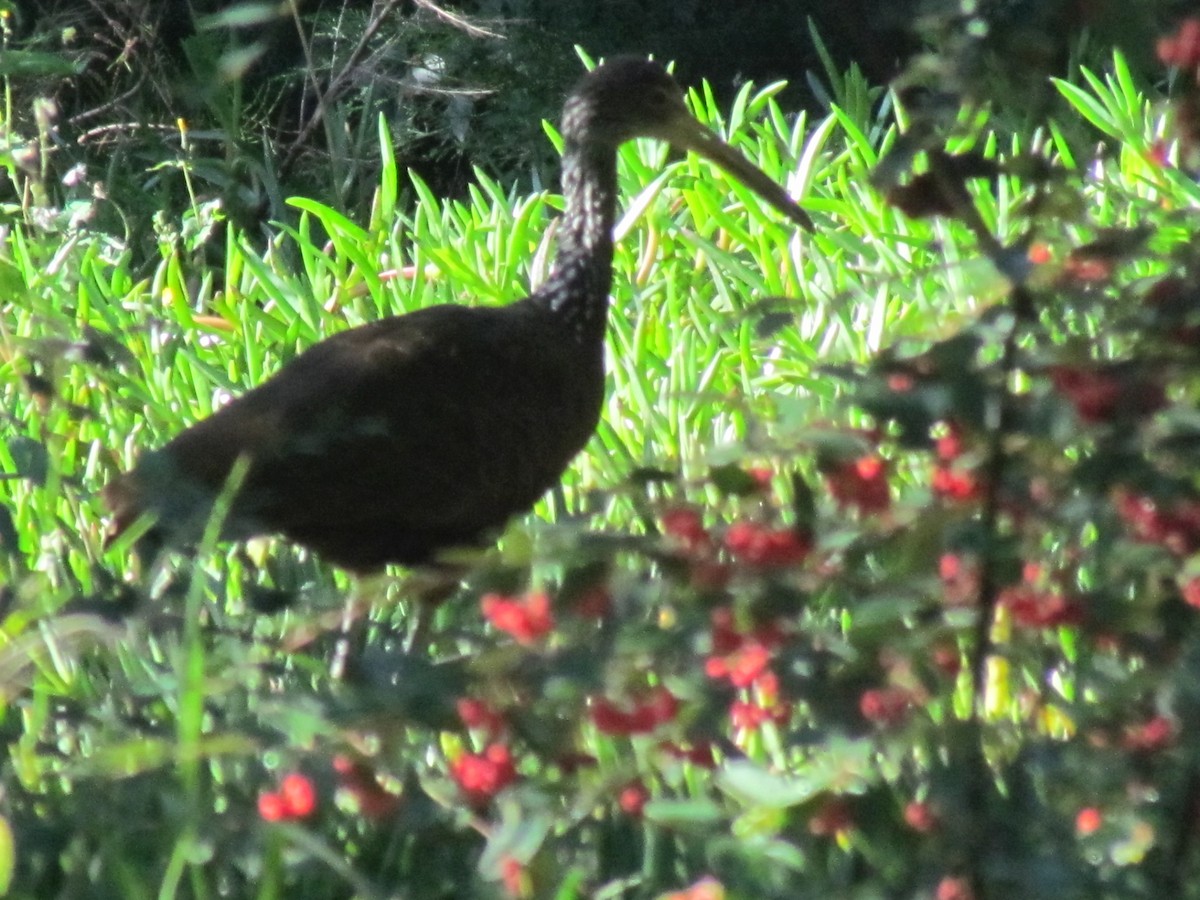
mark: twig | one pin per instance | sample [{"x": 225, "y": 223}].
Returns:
[
  {"x": 458, "y": 21},
  {"x": 338, "y": 84}
]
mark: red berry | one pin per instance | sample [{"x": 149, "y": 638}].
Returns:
[
  {"x": 1191, "y": 592},
  {"x": 1083, "y": 265},
  {"x": 921, "y": 817},
  {"x": 512, "y": 873},
  {"x": 833, "y": 816},
  {"x": 740, "y": 536},
  {"x": 748, "y": 663},
  {"x": 960, "y": 579},
  {"x": 885, "y": 706},
  {"x": 1181, "y": 49},
  {"x": 947, "y": 659},
  {"x": 699, "y": 754},
  {"x": 954, "y": 888},
  {"x": 477, "y": 714},
  {"x": 716, "y": 667},
  {"x": 762, "y": 476},
  {"x": 1152, "y": 735},
  {"x": 725, "y": 637},
  {"x": 299, "y": 795},
  {"x": 612, "y": 720},
  {"x": 746, "y": 716},
  {"x": 272, "y": 807},
  {"x": 662, "y": 706},
  {"x": 949, "y": 446},
  {"x": 686, "y": 528},
  {"x": 956, "y": 485},
  {"x": 1088, "y": 821},
  {"x": 762, "y": 546},
  {"x": 632, "y": 799}
]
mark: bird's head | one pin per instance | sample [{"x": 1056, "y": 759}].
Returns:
[
  {"x": 625, "y": 98},
  {"x": 629, "y": 97}
]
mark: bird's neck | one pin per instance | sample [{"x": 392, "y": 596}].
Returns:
[{"x": 581, "y": 275}]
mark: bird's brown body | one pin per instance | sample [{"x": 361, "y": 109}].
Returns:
[
  {"x": 368, "y": 470},
  {"x": 391, "y": 441}
]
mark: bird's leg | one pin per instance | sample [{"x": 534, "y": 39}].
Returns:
[
  {"x": 351, "y": 628},
  {"x": 429, "y": 587}
]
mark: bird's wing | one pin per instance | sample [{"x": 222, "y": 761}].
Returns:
[{"x": 433, "y": 421}]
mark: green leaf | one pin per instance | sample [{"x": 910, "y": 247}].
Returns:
[
  {"x": 753, "y": 785},
  {"x": 1088, "y": 106},
  {"x": 8, "y": 855},
  {"x": 519, "y": 836},
  {"x": 241, "y": 15},
  {"x": 32, "y": 64},
  {"x": 684, "y": 813}
]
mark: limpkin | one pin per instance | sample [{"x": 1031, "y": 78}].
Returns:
[{"x": 391, "y": 441}]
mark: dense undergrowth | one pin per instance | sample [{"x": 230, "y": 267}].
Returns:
[{"x": 877, "y": 580}]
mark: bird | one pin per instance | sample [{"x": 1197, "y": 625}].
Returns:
[{"x": 394, "y": 440}]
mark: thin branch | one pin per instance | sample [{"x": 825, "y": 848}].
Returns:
[
  {"x": 339, "y": 82},
  {"x": 458, "y": 21}
]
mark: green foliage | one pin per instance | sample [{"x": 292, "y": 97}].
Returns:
[{"x": 878, "y": 576}]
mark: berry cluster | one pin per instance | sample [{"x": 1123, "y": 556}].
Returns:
[
  {"x": 860, "y": 484},
  {"x": 1181, "y": 50},
  {"x": 527, "y": 619},
  {"x": 1174, "y": 524},
  {"x": 658, "y": 708},
  {"x": 481, "y": 776},
  {"x": 1102, "y": 394},
  {"x": 478, "y": 715},
  {"x": 295, "y": 799},
  {"x": 887, "y": 706}
]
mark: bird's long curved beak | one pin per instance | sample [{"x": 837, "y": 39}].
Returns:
[{"x": 685, "y": 132}]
